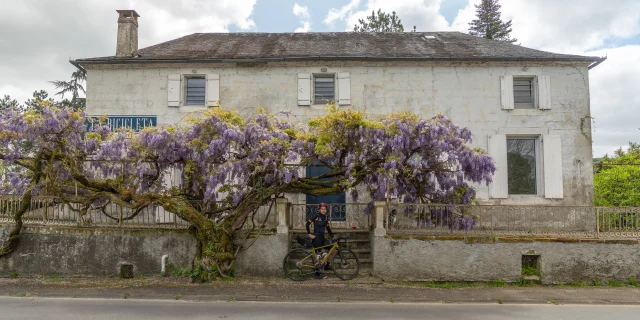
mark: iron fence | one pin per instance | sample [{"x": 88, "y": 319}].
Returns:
[
  {"x": 541, "y": 221},
  {"x": 399, "y": 218},
  {"x": 614, "y": 222},
  {"x": 51, "y": 211},
  {"x": 342, "y": 215}
]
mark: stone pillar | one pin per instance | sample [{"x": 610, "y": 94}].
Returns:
[
  {"x": 379, "y": 211},
  {"x": 282, "y": 208}
]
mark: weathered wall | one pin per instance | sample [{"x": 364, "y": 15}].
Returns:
[
  {"x": 99, "y": 252},
  {"x": 96, "y": 252},
  {"x": 469, "y": 93},
  {"x": 264, "y": 256},
  {"x": 456, "y": 260}
]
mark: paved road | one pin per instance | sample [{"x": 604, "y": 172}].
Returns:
[{"x": 13, "y": 308}]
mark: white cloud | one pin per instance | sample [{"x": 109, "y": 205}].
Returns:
[
  {"x": 305, "y": 18},
  {"x": 614, "y": 99},
  {"x": 340, "y": 14},
  {"x": 39, "y": 37},
  {"x": 424, "y": 14},
  {"x": 569, "y": 26}
]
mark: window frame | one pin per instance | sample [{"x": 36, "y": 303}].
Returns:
[
  {"x": 313, "y": 87},
  {"x": 185, "y": 89},
  {"x": 534, "y": 92},
  {"x": 539, "y": 165}
]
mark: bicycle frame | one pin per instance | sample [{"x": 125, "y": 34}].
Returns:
[{"x": 334, "y": 247}]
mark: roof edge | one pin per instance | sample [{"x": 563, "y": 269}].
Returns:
[{"x": 594, "y": 60}]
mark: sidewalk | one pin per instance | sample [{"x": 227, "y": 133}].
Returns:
[{"x": 277, "y": 290}]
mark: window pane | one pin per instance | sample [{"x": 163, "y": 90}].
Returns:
[
  {"x": 521, "y": 166},
  {"x": 523, "y": 92},
  {"x": 323, "y": 89},
  {"x": 195, "y": 91}
]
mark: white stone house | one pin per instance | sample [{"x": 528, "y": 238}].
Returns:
[{"x": 530, "y": 104}]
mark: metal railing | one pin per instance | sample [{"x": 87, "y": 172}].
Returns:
[
  {"x": 615, "y": 222},
  {"x": 399, "y": 218},
  {"x": 342, "y": 215},
  {"x": 505, "y": 220},
  {"x": 50, "y": 211}
]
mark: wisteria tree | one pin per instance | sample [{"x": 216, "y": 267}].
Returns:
[{"x": 238, "y": 164}]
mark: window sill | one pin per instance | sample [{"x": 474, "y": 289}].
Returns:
[
  {"x": 190, "y": 108},
  {"x": 526, "y": 112}
]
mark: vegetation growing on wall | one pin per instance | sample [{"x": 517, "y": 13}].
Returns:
[{"x": 234, "y": 164}]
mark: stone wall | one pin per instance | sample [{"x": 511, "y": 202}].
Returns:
[
  {"x": 472, "y": 260},
  {"x": 71, "y": 251},
  {"x": 264, "y": 256}
]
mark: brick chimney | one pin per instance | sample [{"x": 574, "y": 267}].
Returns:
[{"x": 127, "y": 33}]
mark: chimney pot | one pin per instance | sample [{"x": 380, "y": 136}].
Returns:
[{"x": 127, "y": 42}]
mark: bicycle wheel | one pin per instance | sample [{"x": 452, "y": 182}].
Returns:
[
  {"x": 345, "y": 264},
  {"x": 298, "y": 265}
]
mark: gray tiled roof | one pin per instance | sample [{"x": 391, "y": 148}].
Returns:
[{"x": 454, "y": 46}]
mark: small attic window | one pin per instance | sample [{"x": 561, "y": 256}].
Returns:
[{"x": 429, "y": 37}]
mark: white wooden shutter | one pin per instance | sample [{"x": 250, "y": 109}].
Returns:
[
  {"x": 544, "y": 92},
  {"x": 344, "y": 89},
  {"x": 173, "y": 90},
  {"x": 213, "y": 90},
  {"x": 552, "y": 149},
  {"x": 304, "y": 89},
  {"x": 506, "y": 92},
  {"x": 499, "y": 188}
]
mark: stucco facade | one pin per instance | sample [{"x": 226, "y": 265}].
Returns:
[{"x": 469, "y": 93}]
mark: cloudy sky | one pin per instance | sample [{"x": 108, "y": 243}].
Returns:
[{"x": 37, "y": 37}]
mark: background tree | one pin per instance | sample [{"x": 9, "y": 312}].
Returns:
[
  {"x": 380, "y": 22},
  {"x": 8, "y": 103},
  {"x": 488, "y": 23},
  {"x": 73, "y": 87},
  {"x": 230, "y": 166},
  {"x": 617, "y": 178}
]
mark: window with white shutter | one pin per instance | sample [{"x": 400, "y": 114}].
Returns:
[
  {"x": 553, "y": 181},
  {"x": 522, "y": 165},
  {"x": 213, "y": 90},
  {"x": 344, "y": 89},
  {"x": 304, "y": 89},
  {"x": 524, "y": 93},
  {"x": 195, "y": 91},
  {"x": 324, "y": 89},
  {"x": 173, "y": 90},
  {"x": 498, "y": 151}
]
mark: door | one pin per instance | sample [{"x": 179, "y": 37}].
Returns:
[{"x": 335, "y": 202}]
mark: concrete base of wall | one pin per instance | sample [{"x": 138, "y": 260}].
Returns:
[
  {"x": 264, "y": 256},
  {"x": 458, "y": 260},
  {"x": 75, "y": 251}
]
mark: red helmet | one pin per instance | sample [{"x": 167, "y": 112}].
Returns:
[{"x": 323, "y": 205}]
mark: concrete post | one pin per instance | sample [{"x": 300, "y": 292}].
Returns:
[
  {"x": 282, "y": 206},
  {"x": 379, "y": 210}
]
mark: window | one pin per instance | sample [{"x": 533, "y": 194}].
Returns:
[
  {"x": 522, "y": 165},
  {"x": 524, "y": 92},
  {"x": 324, "y": 89},
  {"x": 195, "y": 91}
]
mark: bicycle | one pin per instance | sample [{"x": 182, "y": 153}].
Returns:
[{"x": 299, "y": 264}]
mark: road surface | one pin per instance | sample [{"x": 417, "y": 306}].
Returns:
[{"x": 17, "y": 308}]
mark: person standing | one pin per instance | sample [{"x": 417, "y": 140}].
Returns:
[{"x": 320, "y": 223}]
